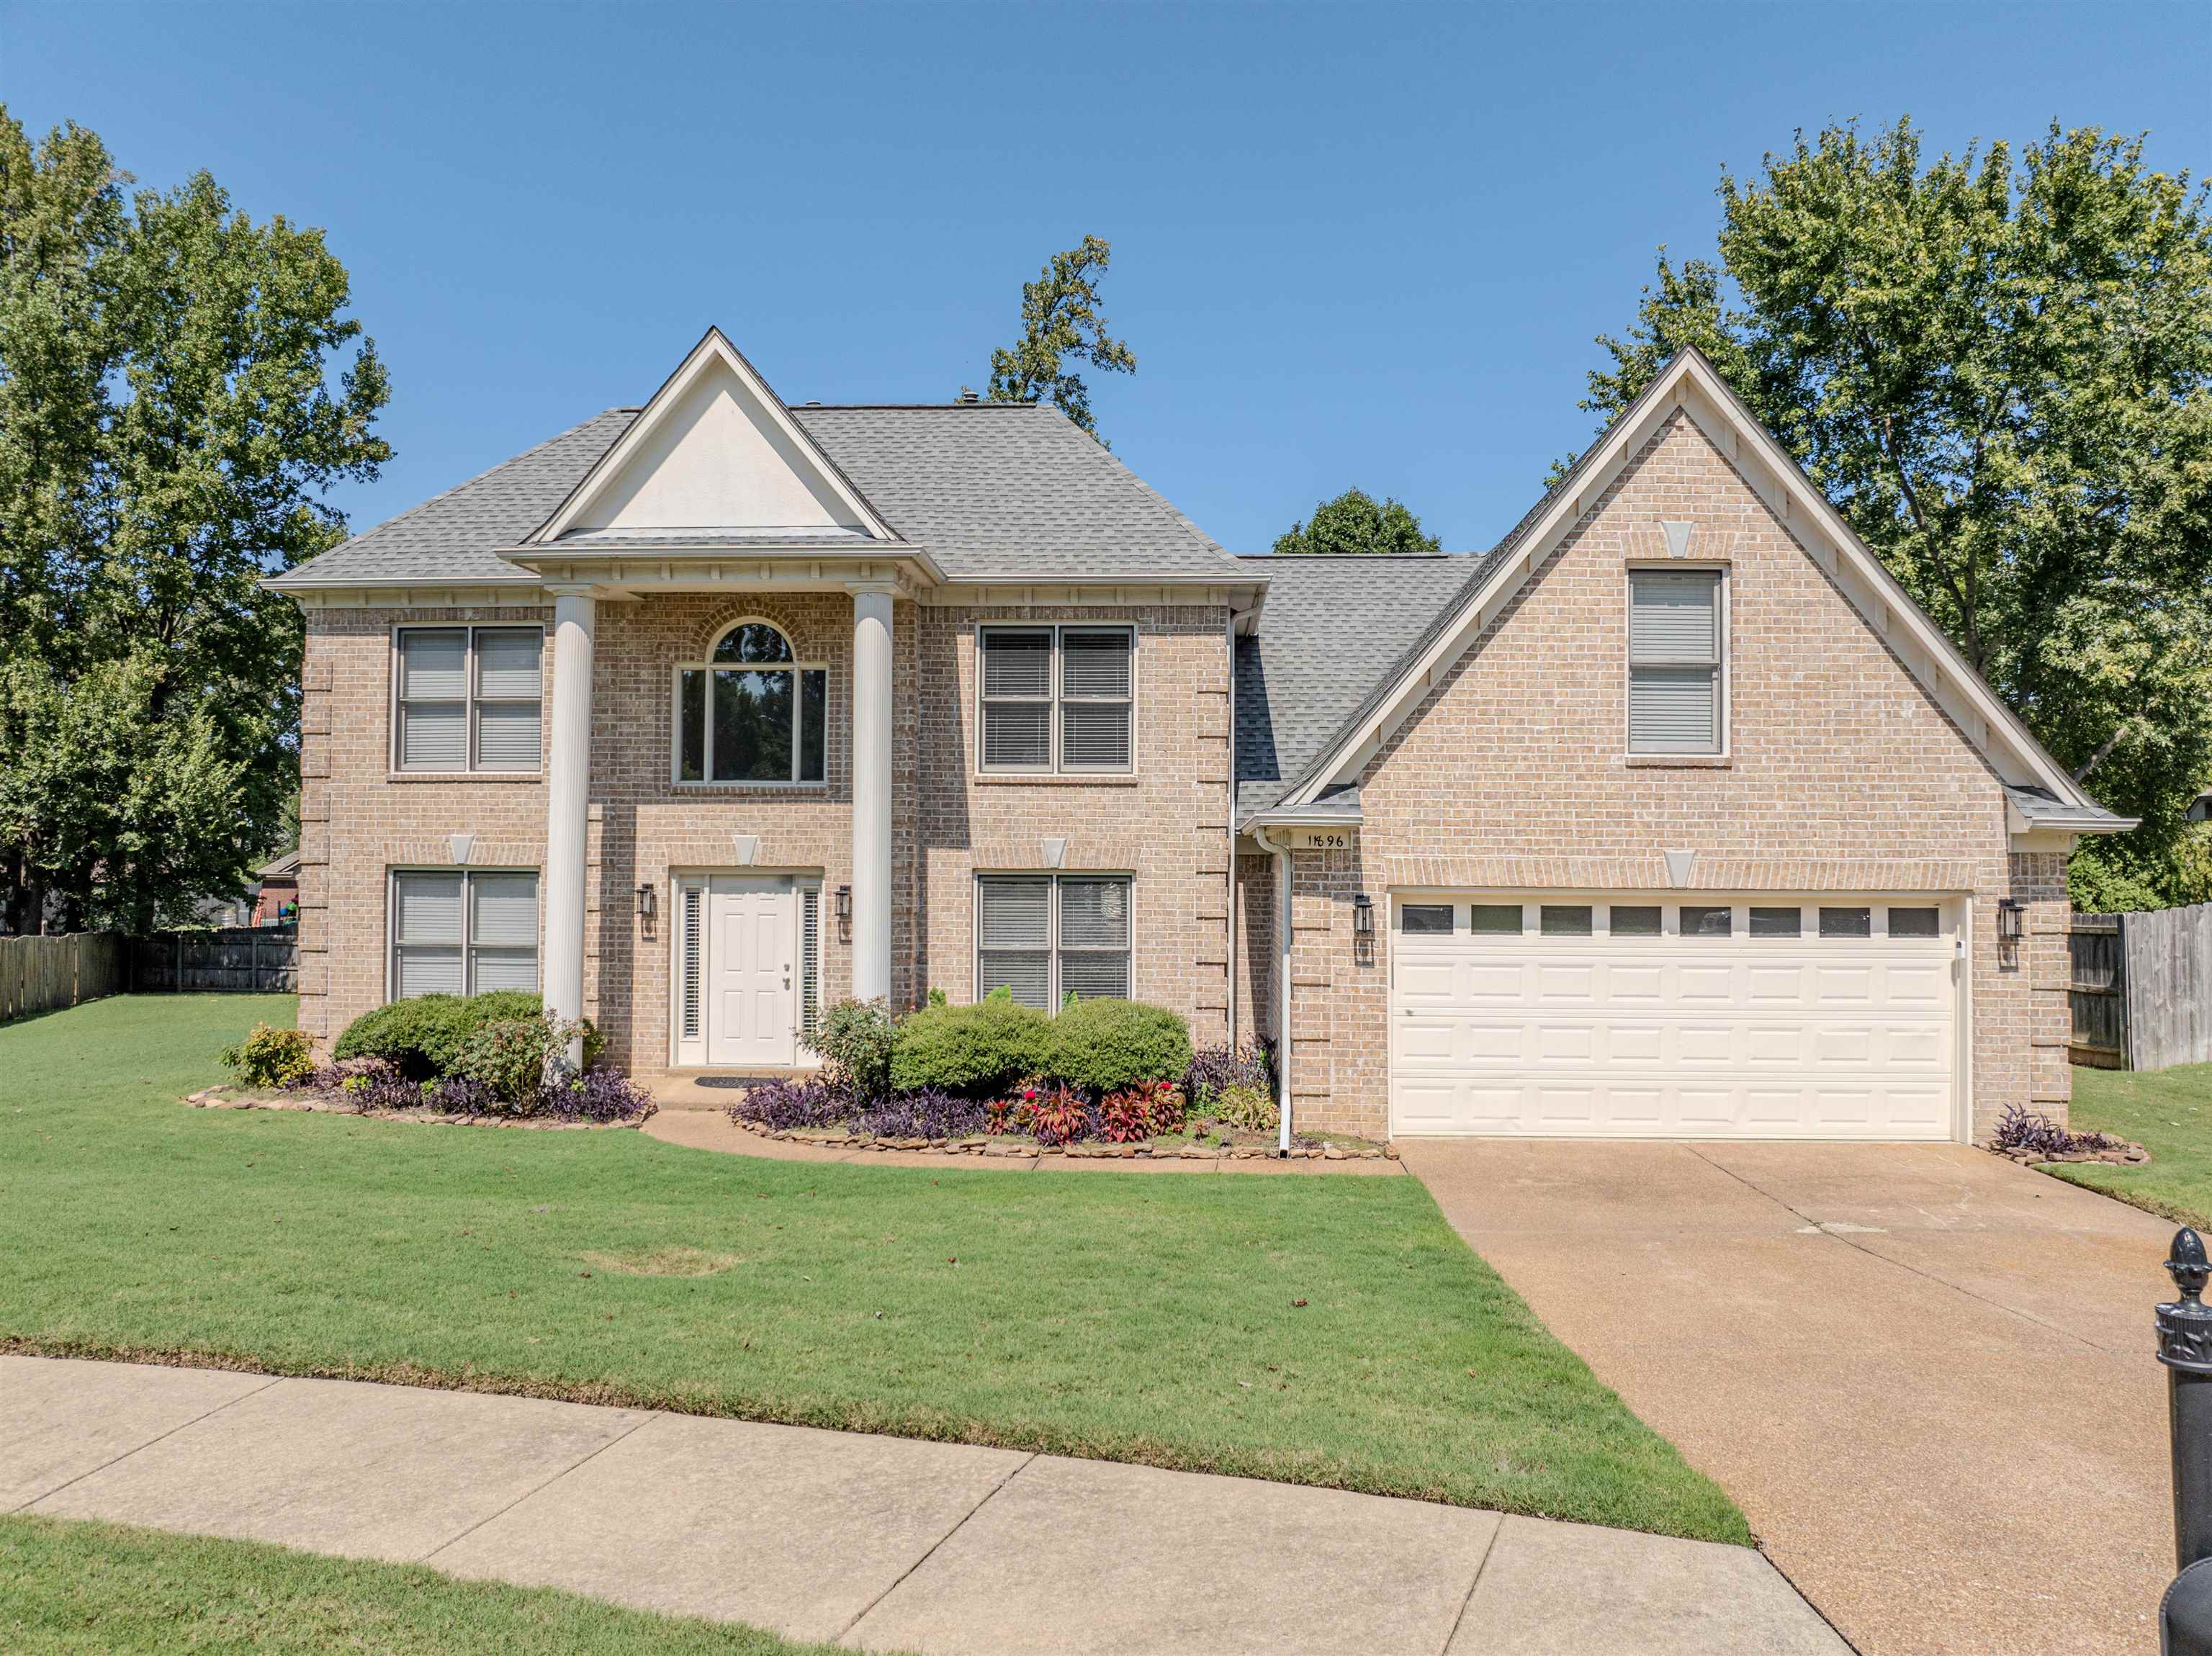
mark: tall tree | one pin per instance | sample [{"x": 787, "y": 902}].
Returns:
[
  {"x": 1353, "y": 522},
  {"x": 1061, "y": 321},
  {"x": 2000, "y": 369},
  {"x": 179, "y": 387}
]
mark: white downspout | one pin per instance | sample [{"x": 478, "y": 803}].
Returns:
[
  {"x": 1266, "y": 837},
  {"x": 1229, "y": 989}
]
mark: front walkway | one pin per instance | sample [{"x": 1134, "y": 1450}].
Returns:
[
  {"x": 881, "y": 1543},
  {"x": 1925, "y": 1372}
]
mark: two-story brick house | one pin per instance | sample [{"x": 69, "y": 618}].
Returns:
[{"x": 1671, "y": 816}]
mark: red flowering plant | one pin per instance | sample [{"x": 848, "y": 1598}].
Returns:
[
  {"x": 1061, "y": 1117},
  {"x": 1014, "y": 1114}
]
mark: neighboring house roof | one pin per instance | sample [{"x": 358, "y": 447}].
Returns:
[
  {"x": 995, "y": 491},
  {"x": 1335, "y": 626},
  {"x": 285, "y": 867}
]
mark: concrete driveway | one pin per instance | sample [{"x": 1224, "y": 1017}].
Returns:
[{"x": 1925, "y": 1373}]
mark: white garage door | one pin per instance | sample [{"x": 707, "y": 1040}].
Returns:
[{"x": 1648, "y": 1017}]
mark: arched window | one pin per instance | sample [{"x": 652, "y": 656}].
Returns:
[{"x": 752, "y": 711}]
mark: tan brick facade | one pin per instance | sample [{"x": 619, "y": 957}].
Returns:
[
  {"x": 1843, "y": 775},
  {"x": 1167, "y": 825}
]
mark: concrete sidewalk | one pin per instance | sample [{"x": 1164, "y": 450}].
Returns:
[{"x": 879, "y": 1543}]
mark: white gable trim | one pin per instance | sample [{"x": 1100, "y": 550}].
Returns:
[
  {"x": 1690, "y": 384},
  {"x": 712, "y": 351}
]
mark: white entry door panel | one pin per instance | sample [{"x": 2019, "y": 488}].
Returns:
[
  {"x": 1708, "y": 1032},
  {"x": 752, "y": 1015}
]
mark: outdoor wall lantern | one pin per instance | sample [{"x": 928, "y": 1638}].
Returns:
[
  {"x": 844, "y": 913},
  {"x": 1363, "y": 928},
  {"x": 2011, "y": 921},
  {"x": 647, "y": 903}
]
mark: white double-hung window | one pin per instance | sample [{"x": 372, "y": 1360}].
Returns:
[
  {"x": 1047, "y": 936},
  {"x": 1677, "y": 682},
  {"x": 460, "y": 931},
  {"x": 1057, "y": 698},
  {"x": 467, "y": 698}
]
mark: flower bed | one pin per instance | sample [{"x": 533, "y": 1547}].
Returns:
[
  {"x": 1093, "y": 1097},
  {"x": 2029, "y": 1136},
  {"x": 498, "y": 1069}
]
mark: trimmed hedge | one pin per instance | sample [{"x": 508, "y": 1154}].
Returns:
[
  {"x": 423, "y": 1037},
  {"x": 977, "y": 1051},
  {"x": 1103, "y": 1045}
]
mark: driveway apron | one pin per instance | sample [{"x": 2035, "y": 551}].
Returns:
[{"x": 1924, "y": 1372}]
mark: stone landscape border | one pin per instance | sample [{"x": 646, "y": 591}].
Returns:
[
  {"x": 236, "y": 1098},
  {"x": 1011, "y": 1147}
]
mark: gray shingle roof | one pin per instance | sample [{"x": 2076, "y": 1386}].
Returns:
[
  {"x": 450, "y": 536},
  {"x": 1011, "y": 490},
  {"x": 1333, "y": 629},
  {"x": 995, "y": 490},
  {"x": 2041, "y": 805}
]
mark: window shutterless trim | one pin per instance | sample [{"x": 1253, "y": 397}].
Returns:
[
  {"x": 470, "y": 700},
  {"x": 1054, "y": 700},
  {"x": 1052, "y": 949},
  {"x": 1723, "y": 574},
  {"x": 467, "y": 943}
]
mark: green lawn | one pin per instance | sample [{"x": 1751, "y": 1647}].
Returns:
[
  {"x": 1330, "y": 1331},
  {"x": 2169, "y": 1114},
  {"x": 86, "y": 1587}
]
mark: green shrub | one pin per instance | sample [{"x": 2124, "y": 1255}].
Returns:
[
  {"x": 511, "y": 1057},
  {"x": 424, "y": 1036},
  {"x": 269, "y": 1058},
  {"x": 1101, "y": 1045},
  {"x": 856, "y": 1037},
  {"x": 976, "y": 1050},
  {"x": 1242, "y": 1105}
]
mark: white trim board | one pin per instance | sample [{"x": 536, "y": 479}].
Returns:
[{"x": 1690, "y": 384}]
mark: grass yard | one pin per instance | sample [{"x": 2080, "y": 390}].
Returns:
[
  {"x": 2169, "y": 1114},
  {"x": 1327, "y": 1331},
  {"x": 85, "y": 1587}
]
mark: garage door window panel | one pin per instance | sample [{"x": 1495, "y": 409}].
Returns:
[
  {"x": 1494, "y": 919},
  {"x": 1701, "y": 921},
  {"x": 1846, "y": 922},
  {"x": 1565, "y": 919},
  {"x": 1776, "y": 922},
  {"x": 1425, "y": 919},
  {"x": 1635, "y": 921}
]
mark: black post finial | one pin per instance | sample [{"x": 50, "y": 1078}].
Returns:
[{"x": 2188, "y": 1267}]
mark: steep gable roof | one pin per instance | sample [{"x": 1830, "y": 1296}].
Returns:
[
  {"x": 713, "y": 452},
  {"x": 1690, "y": 384}
]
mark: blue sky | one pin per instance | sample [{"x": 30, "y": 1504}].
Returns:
[{"x": 1352, "y": 245}]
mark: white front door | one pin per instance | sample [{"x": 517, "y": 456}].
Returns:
[
  {"x": 1668, "y": 1015},
  {"x": 751, "y": 953}
]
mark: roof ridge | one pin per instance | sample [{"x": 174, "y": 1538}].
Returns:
[{"x": 1354, "y": 557}]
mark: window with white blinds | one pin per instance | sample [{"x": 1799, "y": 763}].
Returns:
[
  {"x": 1675, "y": 635},
  {"x": 459, "y": 931},
  {"x": 468, "y": 698},
  {"x": 1057, "y": 698},
  {"x": 1045, "y": 936}
]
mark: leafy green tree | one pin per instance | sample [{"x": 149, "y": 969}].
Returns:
[
  {"x": 1353, "y": 522},
  {"x": 2000, "y": 369},
  {"x": 1061, "y": 320},
  {"x": 179, "y": 387}
]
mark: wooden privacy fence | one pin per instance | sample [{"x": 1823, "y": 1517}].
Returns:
[
  {"x": 234, "y": 959},
  {"x": 2141, "y": 988},
  {"x": 41, "y": 974}
]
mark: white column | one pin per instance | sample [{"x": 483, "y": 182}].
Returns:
[
  {"x": 567, "y": 801},
  {"x": 872, "y": 792}
]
